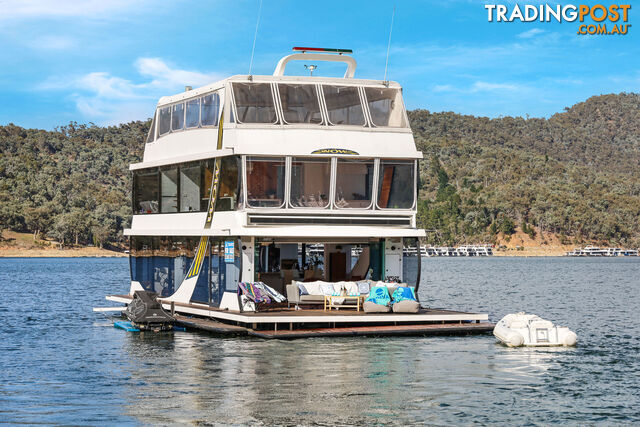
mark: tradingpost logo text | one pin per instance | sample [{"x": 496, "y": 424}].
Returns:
[{"x": 598, "y": 19}]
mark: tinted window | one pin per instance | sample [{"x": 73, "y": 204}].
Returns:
[
  {"x": 169, "y": 190},
  {"x": 177, "y": 117},
  {"x": 190, "y": 188},
  {"x": 145, "y": 192},
  {"x": 164, "y": 124},
  {"x": 396, "y": 184},
  {"x": 310, "y": 182},
  {"x": 192, "y": 119},
  {"x": 229, "y": 184},
  {"x": 210, "y": 108},
  {"x": 151, "y": 136},
  {"x": 385, "y": 106},
  {"x": 299, "y": 103},
  {"x": 254, "y": 103},
  {"x": 265, "y": 182},
  {"x": 343, "y": 105},
  {"x": 354, "y": 183}
]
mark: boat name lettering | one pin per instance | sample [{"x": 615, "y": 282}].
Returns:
[{"x": 334, "y": 151}]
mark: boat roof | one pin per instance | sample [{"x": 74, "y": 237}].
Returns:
[{"x": 279, "y": 76}]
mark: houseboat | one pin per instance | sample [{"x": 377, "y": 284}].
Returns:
[{"x": 279, "y": 179}]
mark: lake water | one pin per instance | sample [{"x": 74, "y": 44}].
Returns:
[{"x": 63, "y": 364}]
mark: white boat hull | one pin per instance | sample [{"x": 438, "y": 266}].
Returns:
[{"x": 515, "y": 330}]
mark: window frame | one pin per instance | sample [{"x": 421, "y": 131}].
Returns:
[
  {"x": 317, "y": 89},
  {"x": 415, "y": 183},
  {"x": 362, "y": 105},
  {"x": 186, "y": 102},
  {"x": 276, "y": 105},
  {"x": 217, "y": 116},
  {"x": 292, "y": 159},
  {"x": 245, "y": 174},
  {"x": 184, "y": 112},
  {"x": 373, "y": 201},
  {"x": 405, "y": 117}
]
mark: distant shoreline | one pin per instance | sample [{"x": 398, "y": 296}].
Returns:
[
  {"x": 91, "y": 252},
  {"x": 60, "y": 253}
]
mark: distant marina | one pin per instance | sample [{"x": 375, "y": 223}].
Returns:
[
  {"x": 591, "y": 251},
  {"x": 460, "y": 251}
]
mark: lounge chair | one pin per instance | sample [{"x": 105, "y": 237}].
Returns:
[
  {"x": 404, "y": 300},
  {"x": 378, "y": 300}
]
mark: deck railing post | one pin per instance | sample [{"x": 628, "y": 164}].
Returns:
[{"x": 173, "y": 308}]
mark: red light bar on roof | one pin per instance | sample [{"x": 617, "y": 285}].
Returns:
[{"x": 321, "y": 49}]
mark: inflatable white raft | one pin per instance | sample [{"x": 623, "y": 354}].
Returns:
[{"x": 519, "y": 329}]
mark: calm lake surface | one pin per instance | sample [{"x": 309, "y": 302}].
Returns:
[{"x": 63, "y": 364}]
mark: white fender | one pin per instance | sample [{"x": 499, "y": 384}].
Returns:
[
  {"x": 570, "y": 339},
  {"x": 508, "y": 336}
]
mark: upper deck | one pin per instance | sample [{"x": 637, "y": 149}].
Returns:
[{"x": 283, "y": 115}]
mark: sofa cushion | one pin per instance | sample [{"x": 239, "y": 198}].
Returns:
[
  {"x": 327, "y": 289},
  {"x": 406, "y": 306},
  {"x": 313, "y": 288},
  {"x": 303, "y": 289},
  {"x": 372, "y": 307},
  {"x": 363, "y": 288}
]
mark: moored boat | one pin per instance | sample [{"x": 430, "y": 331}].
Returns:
[{"x": 255, "y": 183}]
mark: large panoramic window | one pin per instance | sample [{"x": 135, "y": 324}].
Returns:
[
  {"x": 254, "y": 103},
  {"x": 169, "y": 190},
  {"x": 354, "y": 183},
  {"x": 210, "y": 109},
  {"x": 385, "y": 106},
  {"x": 177, "y": 117},
  {"x": 343, "y": 105},
  {"x": 164, "y": 122},
  {"x": 310, "y": 183},
  {"x": 265, "y": 182},
  {"x": 192, "y": 119},
  {"x": 299, "y": 103},
  {"x": 145, "y": 195},
  {"x": 190, "y": 177},
  {"x": 396, "y": 184}
]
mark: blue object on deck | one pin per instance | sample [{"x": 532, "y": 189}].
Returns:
[
  {"x": 127, "y": 326},
  {"x": 179, "y": 328}
]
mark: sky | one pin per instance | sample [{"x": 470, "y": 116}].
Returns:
[{"x": 108, "y": 61}]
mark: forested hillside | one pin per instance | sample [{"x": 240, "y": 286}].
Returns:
[
  {"x": 72, "y": 184},
  {"x": 576, "y": 174}
]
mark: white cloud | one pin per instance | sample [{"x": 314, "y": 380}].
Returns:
[
  {"x": 443, "y": 88},
  {"x": 486, "y": 86},
  {"x": 107, "y": 99},
  {"x": 530, "y": 33}
]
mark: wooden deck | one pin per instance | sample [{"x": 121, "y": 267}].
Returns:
[
  {"x": 209, "y": 325},
  {"x": 288, "y": 323},
  {"x": 426, "y": 329},
  {"x": 291, "y": 316}
]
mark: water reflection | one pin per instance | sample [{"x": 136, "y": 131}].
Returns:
[
  {"x": 527, "y": 363},
  {"x": 63, "y": 365}
]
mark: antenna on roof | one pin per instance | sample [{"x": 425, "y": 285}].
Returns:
[
  {"x": 386, "y": 64},
  {"x": 255, "y": 36}
]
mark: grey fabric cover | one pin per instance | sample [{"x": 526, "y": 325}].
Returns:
[
  {"x": 372, "y": 307},
  {"x": 312, "y": 298},
  {"x": 406, "y": 306}
]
